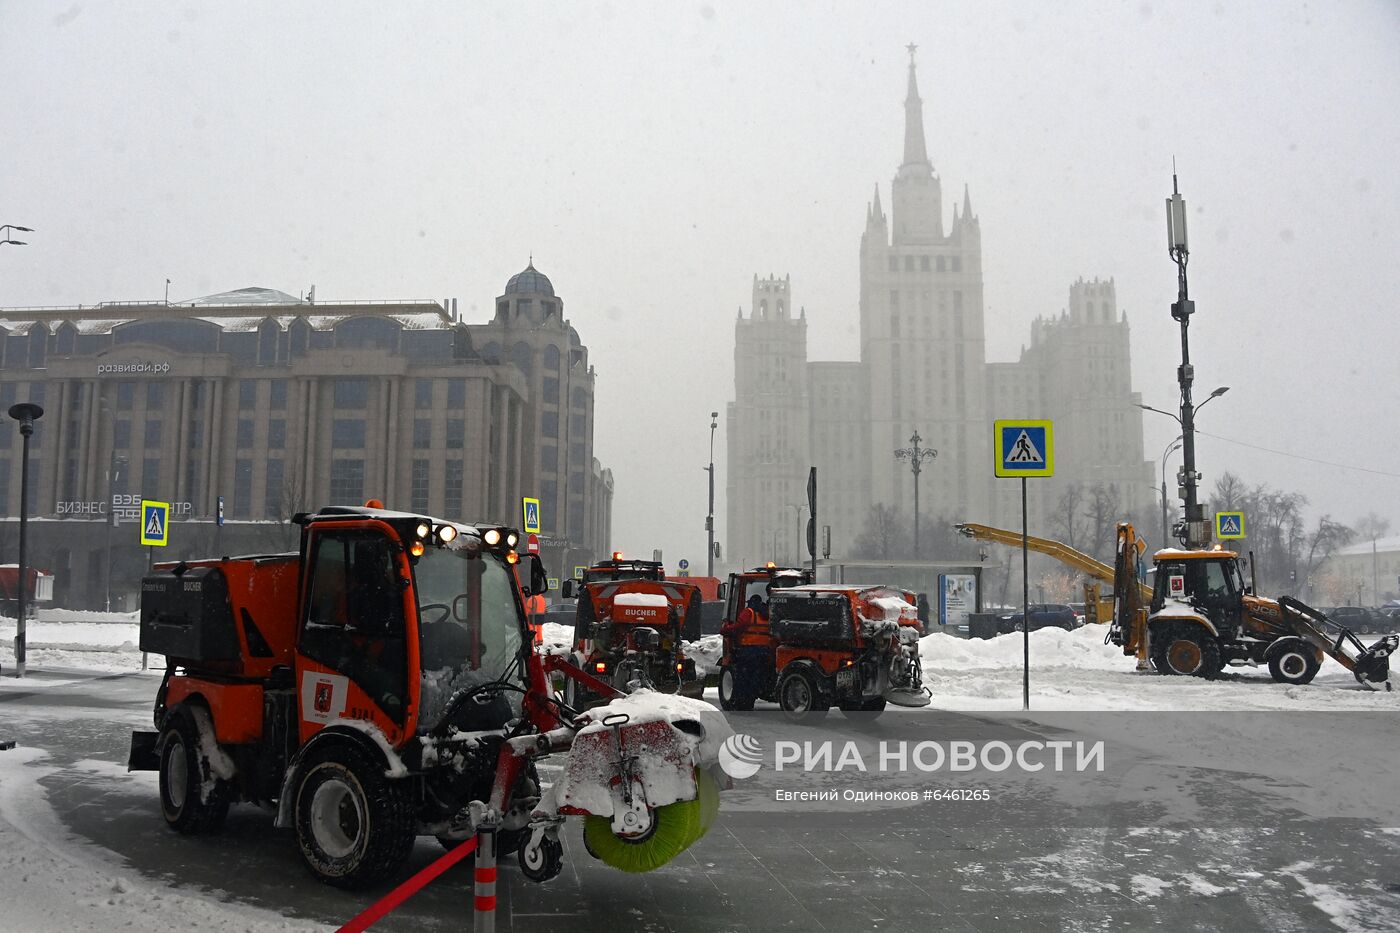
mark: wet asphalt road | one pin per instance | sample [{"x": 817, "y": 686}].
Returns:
[{"x": 1236, "y": 861}]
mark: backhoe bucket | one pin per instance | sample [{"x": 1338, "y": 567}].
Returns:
[{"x": 1373, "y": 665}]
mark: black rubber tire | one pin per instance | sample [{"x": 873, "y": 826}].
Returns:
[
  {"x": 730, "y": 698},
  {"x": 548, "y": 860},
  {"x": 1186, "y": 648},
  {"x": 1293, "y": 663},
  {"x": 186, "y": 806},
  {"x": 371, "y": 830},
  {"x": 800, "y": 696}
]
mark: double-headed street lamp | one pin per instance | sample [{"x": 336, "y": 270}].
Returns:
[
  {"x": 916, "y": 457},
  {"x": 26, "y": 413},
  {"x": 797, "y": 511},
  {"x": 1188, "y": 470},
  {"x": 1173, "y": 446},
  {"x": 5, "y": 233}
]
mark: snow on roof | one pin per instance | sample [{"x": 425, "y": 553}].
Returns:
[
  {"x": 1382, "y": 546},
  {"x": 247, "y": 296}
]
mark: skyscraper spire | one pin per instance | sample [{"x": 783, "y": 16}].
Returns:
[
  {"x": 878, "y": 212},
  {"x": 967, "y": 202},
  {"x": 915, "y": 152}
]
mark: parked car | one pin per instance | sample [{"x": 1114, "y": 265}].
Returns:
[
  {"x": 1079, "y": 609},
  {"x": 1362, "y": 621},
  {"x": 1043, "y": 615}
]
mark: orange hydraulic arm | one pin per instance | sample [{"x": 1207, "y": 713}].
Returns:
[{"x": 1061, "y": 552}]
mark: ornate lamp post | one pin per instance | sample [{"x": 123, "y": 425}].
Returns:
[
  {"x": 916, "y": 456},
  {"x": 26, "y": 413}
]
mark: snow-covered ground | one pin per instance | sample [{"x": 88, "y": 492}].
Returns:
[
  {"x": 1069, "y": 670},
  {"x": 53, "y": 880}
]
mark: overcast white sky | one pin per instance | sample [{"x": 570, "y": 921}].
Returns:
[{"x": 653, "y": 157}]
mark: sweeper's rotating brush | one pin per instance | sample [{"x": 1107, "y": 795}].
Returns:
[{"x": 675, "y": 828}]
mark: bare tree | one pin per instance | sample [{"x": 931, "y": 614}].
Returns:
[
  {"x": 886, "y": 535},
  {"x": 1066, "y": 521},
  {"x": 1321, "y": 543},
  {"x": 1103, "y": 515}
]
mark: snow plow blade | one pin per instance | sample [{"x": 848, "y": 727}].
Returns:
[
  {"x": 909, "y": 697},
  {"x": 142, "y": 756},
  {"x": 1373, "y": 665},
  {"x": 1370, "y": 666}
]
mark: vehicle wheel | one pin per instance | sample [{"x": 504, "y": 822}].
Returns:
[
  {"x": 354, "y": 824},
  {"x": 1293, "y": 663},
  {"x": 1186, "y": 648},
  {"x": 800, "y": 697},
  {"x": 543, "y": 862},
  {"x": 730, "y": 698},
  {"x": 184, "y": 776}
]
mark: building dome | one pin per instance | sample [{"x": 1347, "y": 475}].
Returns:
[{"x": 530, "y": 282}]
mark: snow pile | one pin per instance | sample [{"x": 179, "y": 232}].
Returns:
[
  {"x": 1082, "y": 649},
  {"x": 705, "y": 653},
  {"x": 654, "y": 600}
]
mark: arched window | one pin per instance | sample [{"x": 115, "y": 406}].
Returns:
[
  {"x": 551, "y": 358},
  {"x": 367, "y": 332},
  {"x": 38, "y": 345},
  {"x": 268, "y": 332},
  {"x": 67, "y": 342},
  {"x": 300, "y": 334},
  {"x": 521, "y": 356}
]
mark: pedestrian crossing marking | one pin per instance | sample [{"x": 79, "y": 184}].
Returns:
[{"x": 1023, "y": 451}]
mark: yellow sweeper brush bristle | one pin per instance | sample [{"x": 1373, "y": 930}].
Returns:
[{"x": 678, "y": 826}]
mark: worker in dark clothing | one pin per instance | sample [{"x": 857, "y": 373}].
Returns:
[{"x": 923, "y": 612}]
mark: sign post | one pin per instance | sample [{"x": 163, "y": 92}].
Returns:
[
  {"x": 1025, "y": 449},
  {"x": 155, "y": 532}
]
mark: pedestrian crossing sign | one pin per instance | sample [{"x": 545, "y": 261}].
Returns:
[
  {"x": 1024, "y": 448},
  {"x": 1229, "y": 525},
  {"x": 531, "y": 508},
  {"x": 155, "y": 523}
]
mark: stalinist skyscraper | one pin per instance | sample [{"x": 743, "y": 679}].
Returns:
[{"x": 923, "y": 367}]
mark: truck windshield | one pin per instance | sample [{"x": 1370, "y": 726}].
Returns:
[{"x": 469, "y": 625}]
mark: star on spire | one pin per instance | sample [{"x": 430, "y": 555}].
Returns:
[{"x": 912, "y": 49}]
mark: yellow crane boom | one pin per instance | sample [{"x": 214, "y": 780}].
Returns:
[{"x": 1060, "y": 552}]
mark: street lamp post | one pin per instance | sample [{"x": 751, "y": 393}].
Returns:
[
  {"x": 26, "y": 413},
  {"x": 710, "y": 517},
  {"x": 114, "y": 470},
  {"x": 916, "y": 457},
  {"x": 1188, "y": 470},
  {"x": 797, "y": 511},
  {"x": 7, "y": 240},
  {"x": 1174, "y": 445},
  {"x": 1194, "y": 527}
]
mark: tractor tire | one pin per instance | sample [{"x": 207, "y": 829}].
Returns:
[
  {"x": 192, "y": 800},
  {"x": 731, "y": 698},
  {"x": 1188, "y": 649},
  {"x": 1293, "y": 661},
  {"x": 801, "y": 697},
  {"x": 355, "y": 826}
]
